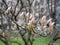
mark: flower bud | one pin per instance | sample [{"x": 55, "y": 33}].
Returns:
[
  {"x": 22, "y": 15},
  {"x": 7, "y": 11},
  {"x": 27, "y": 15},
  {"x": 31, "y": 16},
  {"x": 3, "y": 34},
  {"x": 43, "y": 20}
]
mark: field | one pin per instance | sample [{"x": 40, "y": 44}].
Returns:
[{"x": 39, "y": 41}]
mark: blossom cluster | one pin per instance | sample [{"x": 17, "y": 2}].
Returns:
[{"x": 31, "y": 22}]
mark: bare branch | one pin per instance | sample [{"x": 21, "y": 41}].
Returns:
[
  {"x": 5, "y": 3},
  {"x": 16, "y": 6},
  {"x": 30, "y": 3}
]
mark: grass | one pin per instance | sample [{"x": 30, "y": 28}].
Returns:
[
  {"x": 42, "y": 41},
  {"x": 39, "y": 41},
  {"x": 1, "y": 43}
]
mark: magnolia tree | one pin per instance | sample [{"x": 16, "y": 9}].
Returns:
[
  {"x": 33, "y": 26},
  {"x": 27, "y": 24}
]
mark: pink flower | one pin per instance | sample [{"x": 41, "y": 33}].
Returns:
[
  {"x": 32, "y": 21},
  {"x": 50, "y": 25}
]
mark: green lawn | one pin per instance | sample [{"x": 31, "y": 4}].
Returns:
[
  {"x": 44, "y": 41},
  {"x": 39, "y": 41}
]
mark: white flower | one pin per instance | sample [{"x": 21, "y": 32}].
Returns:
[
  {"x": 22, "y": 15},
  {"x": 53, "y": 23},
  {"x": 9, "y": 8},
  {"x": 43, "y": 20},
  {"x": 27, "y": 15},
  {"x": 44, "y": 17},
  {"x": 49, "y": 20},
  {"x": 31, "y": 16}
]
